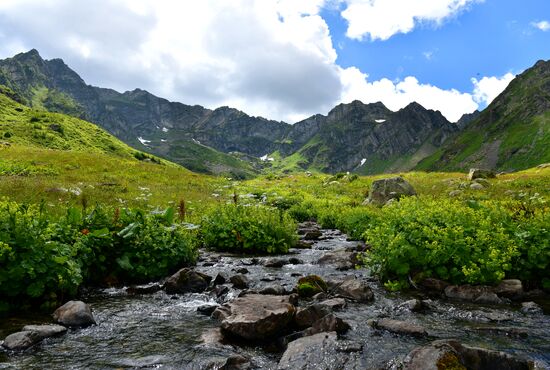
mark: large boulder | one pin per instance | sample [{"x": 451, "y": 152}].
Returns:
[
  {"x": 510, "y": 288},
  {"x": 187, "y": 280},
  {"x": 320, "y": 352},
  {"x": 256, "y": 316},
  {"x": 478, "y": 173},
  {"x": 74, "y": 314},
  {"x": 354, "y": 289},
  {"x": 450, "y": 354},
  {"x": 341, "y": 259},
  {"x": 383, "y": 190}
]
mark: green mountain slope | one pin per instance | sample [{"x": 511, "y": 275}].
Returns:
[
  {"x": 59, "y": 158},
  {"x": 512, "y": 133}
]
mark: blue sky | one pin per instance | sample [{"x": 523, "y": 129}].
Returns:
[
  {"x": 289, "y": 59},
  {"x": 489, "y": 39}
]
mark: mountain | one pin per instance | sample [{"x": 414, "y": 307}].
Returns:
[
  {"x": 512, "y": 133},
  {"x": 363, "y": 138}
]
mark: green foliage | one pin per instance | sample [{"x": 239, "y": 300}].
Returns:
[
  {"x": 248, "y": 229},
  {"x": 44, "y": 258},
  {"x": 310, "y": 285},
  {"x": 447, "y": 239}
]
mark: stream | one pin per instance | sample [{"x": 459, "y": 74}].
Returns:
[{"x": 166, "y": 332}]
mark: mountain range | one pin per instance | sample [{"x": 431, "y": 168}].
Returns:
[{"x": 512, "y": 133}]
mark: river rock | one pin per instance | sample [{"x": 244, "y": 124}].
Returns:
[
  {"x": 220, "y": 290},
  {"x": 306, "y": 316},
  {"x": 319, "y": 352},
  {"x": 328, "y": 323},
  {"x": 21, "y": 340},
  {"x": 187, "y": 280},
  {"x": 341, "y": 259},
  {"x": 276, "y": 262},
  {"x": 450, "y": 354},
  {"x": 435, "y": 285},
  {"x": 256, "y": 316},
  {"x": 466, "y": 292},
  {"x": 531, "y": 308},
  {"x": 414, "y": 305},
  {"x": 295, "y": 261},
  {"x": 304, "y": 244},
  {"x": 74, "y": 314},
  {"x": 510, "y": 288},
  {"x": 509, "y": 331},
  {"x": 312, "y": 234},
  {"x": 334, "y": 303},
  {"x": 221, "y": 278},
  {"x": 384, "y": 190},
  {"x": 488, "y": 298},
  {"x": 239, "y": 281},
  {"x": 236, "y": 362},
  {"x": 399, "y": 327},
  {"x": 207, "y": 309},
  {"x": 478, "y": 173},
  {"x": 274, "y": 289},
  {"x": 46, "y": 331},
  {"x": 354, "y": 289}
]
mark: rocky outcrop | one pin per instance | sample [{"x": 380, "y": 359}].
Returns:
[
  {"x": 384, "y": 190},
  {"x": 450, "y": 354},
  {"x": 187, "y": 280},
  {"x": 256, "y": 316},
  {"x": 74, "y": 314}
]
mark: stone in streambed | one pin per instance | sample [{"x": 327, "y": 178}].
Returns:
[
  {"x": 187, "y": 280},
  {"x": 399, "y": 327},
  {"x": 354, "y": 289},
  {"x": 74, "y": 314},
  {"x": 239, "y": 281}
]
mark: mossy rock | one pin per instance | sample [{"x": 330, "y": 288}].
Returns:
[{"x": 310, "y": 285}]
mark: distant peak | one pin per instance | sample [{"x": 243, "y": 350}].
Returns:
[{"x": 33, "y": 53}]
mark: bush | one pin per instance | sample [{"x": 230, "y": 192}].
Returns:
[
  {"x": 248, "y": 229},
  {"x": 43, "y": 259},
  {"x": 447, "y": 239},
  {"x": 303, "y": 211}
]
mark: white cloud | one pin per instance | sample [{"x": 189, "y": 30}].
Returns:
[
  {"x": 396, "y": 95},
  {"x": 542, "y": 25},
  {"x": 381, "y": 19},
  {"x": 488, "y": 88},
  {"x": 272, "y": 58}
]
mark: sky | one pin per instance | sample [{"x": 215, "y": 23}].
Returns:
[{"x": 289, "y": 59}]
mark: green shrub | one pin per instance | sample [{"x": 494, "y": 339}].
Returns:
[
  {"x": 248, "y": 229},
  {"x": 354, "y": 221},
  {"x": 303, "y": 211},
  {"x": 447, "y": 239}
]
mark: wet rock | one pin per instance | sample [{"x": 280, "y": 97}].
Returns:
[
  {"x": 509, "y": 288},
  {"x": 434, "y": 285},
  {"x": 295, "y": 261},
  {"x": 341, "y": 259},
  {"x": 310, "y": 285},
  {"x": 466, "y": 292},
  {"x": 399, "y": 327},
  {"x": 21, "y": 340},
  {"x": 384, "y": 190},
  {"x": 531, "y": 308},
  {"x": 239, "y": 281},
  {"x": 334, "y": 303},
  {"x": 221, "y": 278},
  {"x": 236, "y": 362},
  {"x": 477, "y": 173},
  {"x": 450, "y": 354},
  {"x": 312, "y": 234},
  {"x": 220, "y": 290},
  {"x": 275, "y": 262},
  {"x": 74, "y": 314},
  {"x": 504, "y": 330},
  {"x": 187, "y": 280},
  {"x": 256, "y": 316},
  {"x": 274, "y": 289},
  {"x": 208, "y": 264},
  {"x": 488, "y": 298},
  {"x": 303, "y": 244},
  {"x": 353, "y": 289},
  {"x": 144, "y": 289},
  {"x": 319, "y": 351},
  {"x": 242, "y": 270},
  {"x": 212, "y": 336},
  {"x": 320, "y": 296},
  {"x": 306, "y": 316},
  {"x": 46, "y": 331},
  {"x": 207, "y": 309},
  {"x": 328, "y": 323},
  {"x": 250, "y": 262},
  {"x": 414, "y": 305}
]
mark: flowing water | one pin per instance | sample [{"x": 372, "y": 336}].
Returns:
[{"x": 166, "y": 331}]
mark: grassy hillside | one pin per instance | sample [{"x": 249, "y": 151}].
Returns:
[
  {"x": 512, "y": 133},
  {"x": 62, "y": 159}
]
